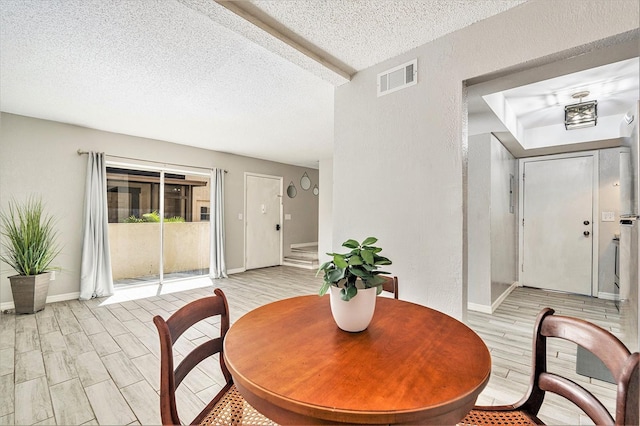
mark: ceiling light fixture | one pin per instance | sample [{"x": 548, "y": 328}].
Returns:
[{"x": 582, "y": 114}]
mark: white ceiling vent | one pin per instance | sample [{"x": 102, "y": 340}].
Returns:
[{"x": 397, "y": 78}]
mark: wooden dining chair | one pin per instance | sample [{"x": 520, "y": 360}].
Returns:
[
  {"x": 391, "y": 285},
  {"x": 228, "y": 407},
  {"x": 622, "y": 364}
]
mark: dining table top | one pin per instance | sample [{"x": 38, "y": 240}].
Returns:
[{"x": 412, "y": 364}]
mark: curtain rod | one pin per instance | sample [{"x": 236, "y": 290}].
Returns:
[{"x": 81, "y": 152}]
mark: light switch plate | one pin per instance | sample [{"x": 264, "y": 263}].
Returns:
[
  {"x": 287, "y": 216},
  {"x": 608, "y": 216},
  {"x": 239, "y": 216}
]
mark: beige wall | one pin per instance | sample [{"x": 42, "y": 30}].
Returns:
[
  {"x": 135, "y": 248},
  {"x": 39, "y": 157},
  {"x": 407, "y": 150}
]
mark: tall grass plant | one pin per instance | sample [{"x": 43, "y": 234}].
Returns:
[{"x": 29, "y": 237}]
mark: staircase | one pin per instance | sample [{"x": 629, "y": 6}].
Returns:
[{"x": 303, "y": 256}]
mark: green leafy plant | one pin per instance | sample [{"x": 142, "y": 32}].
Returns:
[
  {"x": 175, "y": 219},
  {"x": 153, "y": 217},
  {"x": 29, "y": 237},
  {"x": 361, "y": 262},
  {"x": 132, "y": 219}
]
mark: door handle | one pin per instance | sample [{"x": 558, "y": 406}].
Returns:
[
  {"x": 586, "y": 222},
  {"x": 278, "y": 227},
  {"x": 586, "y": 233}
]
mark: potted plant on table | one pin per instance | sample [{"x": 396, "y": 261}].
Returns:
[
  {"x": 29, "y": 246},
  {"x": 354, "y": 281}
]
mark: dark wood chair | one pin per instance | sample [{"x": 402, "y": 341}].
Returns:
[
  {"x": 611, "y": 351},
  {"x": 391, "y": 285},
  {"x": 228, "y": 407}
]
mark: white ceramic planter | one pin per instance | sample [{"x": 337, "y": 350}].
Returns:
[{"x": 356, "y": 314}]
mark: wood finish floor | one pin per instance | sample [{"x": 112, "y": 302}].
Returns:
[{"x": 96, "y": 362}]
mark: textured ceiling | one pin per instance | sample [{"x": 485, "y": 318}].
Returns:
[
  {"x": 194, "y": 73},
  {"x": 163, "y": 71},
  {"x": 362, "y": 33}
]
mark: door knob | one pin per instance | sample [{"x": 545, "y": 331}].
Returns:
[
  {"x": 586, "y": 222},
  {"x": 278, "y": 227},
  {"x": 586, "y": 233}
]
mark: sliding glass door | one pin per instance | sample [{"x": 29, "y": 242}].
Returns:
[
  {"x": 186, "y": 231},
  {"x": 158, "y": 224},
  {"x": 134, "y": 236}
]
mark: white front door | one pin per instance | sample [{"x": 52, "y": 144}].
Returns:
[
  {"x": 557, "y": 224},
  {"x": 263, "y": 212}
]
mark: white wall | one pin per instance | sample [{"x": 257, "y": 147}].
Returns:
[
  {"x": 635, "y": 249},
  {"x": 398, "y": 159},
  {"x": 325, "y": 210},
  {"x": 630, "y": 251},
  {"x": 492, "y": 242},
  {"x": 39, "y": 157},
  {"x": 504, "y": 243},
  {"x": 539, "y": 137},
  {"x": 608, "y": 201},
  {"x": 479, "y": 220}
]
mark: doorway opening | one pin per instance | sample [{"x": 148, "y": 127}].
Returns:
[{"x": 517, "y": 88}]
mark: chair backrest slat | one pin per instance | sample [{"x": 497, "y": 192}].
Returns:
[
  {"x": 391, "y": 285},
  {"x": 596, "y": 340},
  {"x": 578, "y": 395},
  {"x": 195, "y": 357},
  {"x": 194, "y": 312},
  {"x": 629, "y": 392},
  {"x": 608, "y": 348}
]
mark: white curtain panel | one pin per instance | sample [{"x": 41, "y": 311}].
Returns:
[
  {"x": 217, "y": 264},
  {"x": 95, "y": 270}
]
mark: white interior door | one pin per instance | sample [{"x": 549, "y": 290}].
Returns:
[
  {"x": 263, "y": 212},
  {"x": 557, "y": 225}
]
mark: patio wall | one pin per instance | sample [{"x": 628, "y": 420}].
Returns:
[{"x": 135, "y": 248}]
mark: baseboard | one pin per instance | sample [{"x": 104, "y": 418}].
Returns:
[
  {"x": 298, "y": 245},
  {"x": 608, "y": 296},
  {"x": 486, "y": 309},
  {"x": 235, "y": 271},
  {"x": 50, "y": 299},
  {"x": 503, "y": 296}
]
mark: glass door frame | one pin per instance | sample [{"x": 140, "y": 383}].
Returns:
[{"x": 163, "y": 169}]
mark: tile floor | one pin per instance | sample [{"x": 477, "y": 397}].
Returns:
[{"x": 96, "y": 362}]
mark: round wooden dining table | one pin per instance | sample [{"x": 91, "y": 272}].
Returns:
[{"x": 412, "y": 365}]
